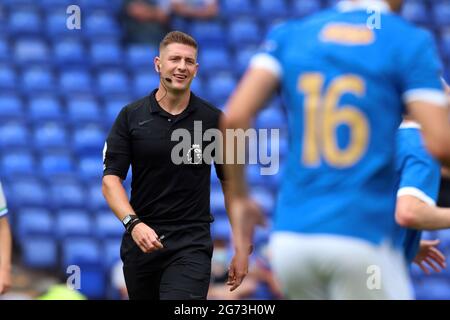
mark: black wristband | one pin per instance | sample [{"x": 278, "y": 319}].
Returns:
[{"x": 130, "y": 226}]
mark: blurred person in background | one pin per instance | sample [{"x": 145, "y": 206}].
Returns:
[
  {"x": 444, "y": 193},
  {"x": 118, "y": 280},
  {"x": 5, "y": 246},
  {"x": 195, "y": 9},
  {"x": 146, "y": 21},
  {"x": 334, "y": 215}
]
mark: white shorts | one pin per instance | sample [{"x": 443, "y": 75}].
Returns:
[{"x": 338, "y": 267}]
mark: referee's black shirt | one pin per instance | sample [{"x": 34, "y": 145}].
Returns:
[{"x": 161, "y": 192}]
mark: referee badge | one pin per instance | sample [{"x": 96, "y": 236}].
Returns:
[{"x": 194, "y": 154}]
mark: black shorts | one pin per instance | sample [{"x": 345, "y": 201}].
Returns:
[{"x": 179, "y": 271}]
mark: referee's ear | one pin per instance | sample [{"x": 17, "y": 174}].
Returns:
[{"x": 157, "y": 63}]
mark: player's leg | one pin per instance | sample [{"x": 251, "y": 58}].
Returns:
[
  {"x": 294, "y": 265},
  {"x": 366, "y": 271}
]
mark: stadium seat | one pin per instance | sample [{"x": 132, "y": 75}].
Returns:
[
  {"x": 73, "y": 223},
  {"x": 69, "y": 51},
  {"x": 37, "y": 80},
  {"x": 106, "y": 53},
  {"x": 88, "y": 139},
  {"x": 91, "y": 168},
  {"x": 221, "y": 229},
  {"x": 217, "y": 203},
  {"x": 301, "y": 8},
  {"x": 33, "y": 222},
  {"x": 39, "y": 252},
  {"x": 56, "y": 164},
  {"x": 144, "y": 83},
  {"x": 24, "y": 22},
  {"x": 82, "y": 110},
  {"x": 140, "y": 57},
  {"x": 75, "y": 81},
  {"x": 415, "y": 11},
  {"x": 4, "y": 50},
  {"x": 11, "y": 106},
  {"x": 66, "y": 193},
  {"x": 244, "y": 31},
  {"x": 219, "y": 87},
  {"x": 107, "y": 225},
  {"x": 27, "y": 51},
  {"x": 14, "y": 163},
  {"x": 8, "y": 77},
  {"x": 48, "y": 136},
  {"x": 56, "y": 24},
  {"x": 113, "y": 107},
  {"x": 213, "y": 60},
  {"x": 96, "y": 201},
  {"x": 44, "y": 108},
  {"x": 13, "y": 135},
  {"x": 28, "y": 192},
  {"x": 441, "y": 13},
  {"x": 269, "y": 9},
  {"x": 112, "y": 82},
  {"x": 242, "y": 59},
  {"x": 207, "y": 32},
  {"x": 78, "y": 250},
  {"x": 99, "y": 25},
  {"x": 233, "y": 9},
  {"x": 111, "y": 250}
]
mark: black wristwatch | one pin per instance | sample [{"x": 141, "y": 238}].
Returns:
[{"x": 130, "y": 221}]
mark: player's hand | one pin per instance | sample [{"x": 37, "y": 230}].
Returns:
[
  {"x": 238, "y": 270},
  {"x": 5, "y": 281},
  {"x": 430, "y": 255},
  {"x": 146, "y": 238}
]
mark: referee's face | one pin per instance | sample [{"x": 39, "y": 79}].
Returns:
[{"x": 177, "y": 62}]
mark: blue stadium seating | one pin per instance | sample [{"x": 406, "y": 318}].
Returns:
[
  {"x": 14, "y": 163},
  {"x": 91, "y": 168},
  {"x": 39, "y": 252},
  {"x": 37, "y": 80},
  {"x": 75, "y": 81},
  {"x": 34, "y": 222},
  {"x": 140, "y": 57},
  {"x": 107, "y": 226},
  {"x": 106, "y": 53},
  {"x": 66, "y": 193},
  {"x": 244, "y": 31},
  {"x": 82, "y": 110},
  {"x": 11, "y": 106},
  {"x": 69, "y": 51},
  {"x": 13, "y": 134},
  {"x": 33, "y": 50},
  {"x": 89, "y": 139},
  {"x": 44, "y": 108},
  {"x": 8, "y": 77},
  {"x": 237, "y": 8},
  {"x": 61, "y": 89},
  {"x": 73, "y": 223}
]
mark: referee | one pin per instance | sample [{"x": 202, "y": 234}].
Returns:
[{"x": 167, "y": 246}]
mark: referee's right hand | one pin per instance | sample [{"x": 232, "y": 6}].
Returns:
[{"x": 146, "y": 238}]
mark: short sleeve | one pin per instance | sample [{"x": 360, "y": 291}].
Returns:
[
  {"x": 269, "y": 55},
  {"x": 117, "y": 150},
  {"x": 420, "y": 176},
  {"x": 3, "y": 206},
  {"x": 421, "y": 70}
]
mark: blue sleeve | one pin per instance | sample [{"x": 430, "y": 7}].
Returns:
[
  {"x": 420, "y": 68},
  {"x": 420, "y": 175}
]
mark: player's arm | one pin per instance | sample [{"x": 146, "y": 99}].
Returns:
[
  {"x": 5, "y": 255},
  {"x": 411, "y": 212},
  {"x": 435, "y": 123}
]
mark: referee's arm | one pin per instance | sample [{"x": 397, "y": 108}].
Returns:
[{"x": 116, "y": 162}]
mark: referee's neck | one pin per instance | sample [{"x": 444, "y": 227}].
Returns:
[{"x": 173, "y": 102}]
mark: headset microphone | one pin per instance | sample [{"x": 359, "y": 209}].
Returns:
[{"x": 168, "y": 79}]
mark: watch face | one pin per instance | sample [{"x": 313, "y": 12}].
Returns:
[{"x": 126, "y": 220}]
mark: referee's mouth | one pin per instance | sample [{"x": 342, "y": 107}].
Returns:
[{"x": 180, "y": 77}]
